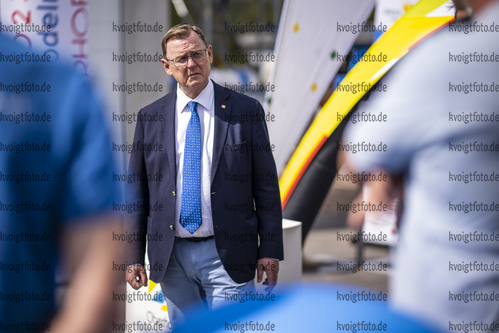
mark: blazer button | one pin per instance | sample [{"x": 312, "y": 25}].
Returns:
[
  {"x": 171, "y": 227},
  {"x": 173, "y": 192}
]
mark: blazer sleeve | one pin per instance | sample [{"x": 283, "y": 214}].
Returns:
[
  {"x": 265, "y": 188},
  {"x": 137, "y": 199}
]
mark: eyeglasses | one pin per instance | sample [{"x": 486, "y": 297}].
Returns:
[{"x": 196, "y": 56}]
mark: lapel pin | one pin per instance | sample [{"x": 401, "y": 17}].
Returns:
[{"x": 223, "y": 106}]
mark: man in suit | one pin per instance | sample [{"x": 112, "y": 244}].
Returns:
[{"x": 216, "y": 188}]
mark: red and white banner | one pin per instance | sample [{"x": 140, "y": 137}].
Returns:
[{"x": 51, "y": 27}]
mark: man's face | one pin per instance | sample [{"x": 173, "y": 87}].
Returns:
[{"x": 193, "y": 76}]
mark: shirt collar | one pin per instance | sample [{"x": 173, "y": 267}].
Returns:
[{"x": 205, "y": 97}]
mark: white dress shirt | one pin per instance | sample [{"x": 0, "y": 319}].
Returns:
[{"x": 205, "y": 110}]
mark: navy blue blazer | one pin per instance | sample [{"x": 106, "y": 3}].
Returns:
[{"x": 245, "y": 197}]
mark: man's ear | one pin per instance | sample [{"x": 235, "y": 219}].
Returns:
[
  {"x": 210, "y": 54},
  {"x": 166, "y": 65}
]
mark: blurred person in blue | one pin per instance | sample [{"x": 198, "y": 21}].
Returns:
[
  {"x": 442, "y": 137},
  {"x": 309, "y": 307},
  {"x": 56, "y": 196}
]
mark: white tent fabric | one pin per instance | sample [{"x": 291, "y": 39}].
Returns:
[
  {"x": 313, "y": 37},
  {"x": 389, "y": 11}
]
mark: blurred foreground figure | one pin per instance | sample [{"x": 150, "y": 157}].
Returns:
[
  {"x": 442, "y": 137},
  {"x": 307, "y": 307},
  {"x": 56, "y": 193}
]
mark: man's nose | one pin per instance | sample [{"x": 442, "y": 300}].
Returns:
[{"x": 190, "y": 63}]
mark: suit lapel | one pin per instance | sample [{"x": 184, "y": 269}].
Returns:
[
  {"x": 169, "y": 129},
  {"x": 222, "y": 114}
]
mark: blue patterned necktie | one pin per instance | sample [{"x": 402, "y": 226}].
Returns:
[{"x": 190, "y": 211}]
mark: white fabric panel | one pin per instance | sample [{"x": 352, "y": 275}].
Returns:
[{"x": 308, "y": 37}]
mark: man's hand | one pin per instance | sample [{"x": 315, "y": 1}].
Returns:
[
  {"x": 136, "y": 276},
  {"x": 271, "y": 268}
]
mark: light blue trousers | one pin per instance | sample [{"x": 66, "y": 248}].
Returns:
[{"x": 196, "y": 276}]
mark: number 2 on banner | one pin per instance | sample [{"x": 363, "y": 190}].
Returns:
[
  {"x": 27, "y": 18},
  {"x": 22, "y": 19}
]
